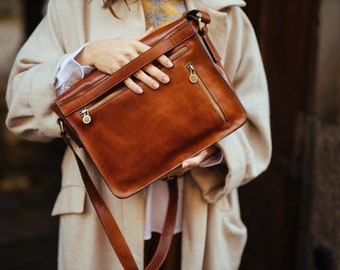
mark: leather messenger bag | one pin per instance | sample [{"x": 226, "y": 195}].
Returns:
[{"x": 134, "y": 140}]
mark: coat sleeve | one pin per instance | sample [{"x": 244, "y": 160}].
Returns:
[
  {"x": 30, "y": 92},
  {"x": 247, "y": 151}
]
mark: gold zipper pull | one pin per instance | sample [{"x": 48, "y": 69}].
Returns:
[
  {"x": 193, "y": 76},
  {"x": 86, "y": 116}
]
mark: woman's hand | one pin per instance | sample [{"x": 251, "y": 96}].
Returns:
[
  {"x": 110, "y": 55},
  {"x": 194, "y": 161}
]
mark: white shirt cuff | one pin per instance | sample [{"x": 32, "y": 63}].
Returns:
[{"x": 70, "y": 72}]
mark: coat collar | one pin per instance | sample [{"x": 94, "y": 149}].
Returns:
[{"x": 219, "y": 20}]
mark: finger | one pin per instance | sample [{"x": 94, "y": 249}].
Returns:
[
  {"x": 149, "y": 31},
  {"x": 149, "y": 81},
  {"x": 133, "y": 86},
  {"x": 165, "y": 61},
  {"x": 177, "y": 171},
  {"x": 156, "y": 73},
  {"x": 211, "y": 150},
  {"x": 191, "y": 162},
  {"x": 198, "y": 159},
  {"x": 141, "y": 47}
]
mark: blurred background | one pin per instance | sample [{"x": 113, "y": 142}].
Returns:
[{"x": 292, "y": 211}]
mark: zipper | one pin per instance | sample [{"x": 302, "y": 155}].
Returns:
[
  {"x": 85, "y": 113},
  {"x": 194, "y": 78},
  {"x": 178, "y": 53},
  {"x": 86, "y": 116}
]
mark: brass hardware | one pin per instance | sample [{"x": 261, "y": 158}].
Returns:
[
  {"x": 86, "y": 116},
  {"x": 193, "y": 76},
  {"x": 201, "y": 25},
  {"x": 62, "y": 129}
]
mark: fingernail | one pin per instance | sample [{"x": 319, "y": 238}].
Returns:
[
  {"x": 165, "y": 79},
  {"x": 139, "y": 90},
  {"x": 155, "y": 85},
  {"x": 169, "y": 64}
]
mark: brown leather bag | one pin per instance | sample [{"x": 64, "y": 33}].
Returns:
[{"x": 134, "y": 140}]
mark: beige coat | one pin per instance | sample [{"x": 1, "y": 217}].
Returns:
[{"x": 213, "y": 233}]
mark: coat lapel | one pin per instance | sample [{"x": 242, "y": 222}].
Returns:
[{"x": 218, "y": 24}]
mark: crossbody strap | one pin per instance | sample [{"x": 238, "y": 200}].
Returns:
[{"x": 112, "y": 230}]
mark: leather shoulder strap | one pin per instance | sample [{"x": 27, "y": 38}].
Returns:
[{"x": 112, "y": 230}]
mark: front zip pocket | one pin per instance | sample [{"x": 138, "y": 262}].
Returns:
[
  {"x": 194, "y": 78},
  {"x": 85, "y": 113}
]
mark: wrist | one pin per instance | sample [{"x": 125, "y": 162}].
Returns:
[{"x": 84, "y": 56}]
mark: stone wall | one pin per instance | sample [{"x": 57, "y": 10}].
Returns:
[{"x": 325, "y": 219}]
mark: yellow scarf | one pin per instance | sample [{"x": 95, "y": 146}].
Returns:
[{"x": 159, "y": 12}]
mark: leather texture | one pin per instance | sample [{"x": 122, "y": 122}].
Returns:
[{"x": 133, "y": 139}]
